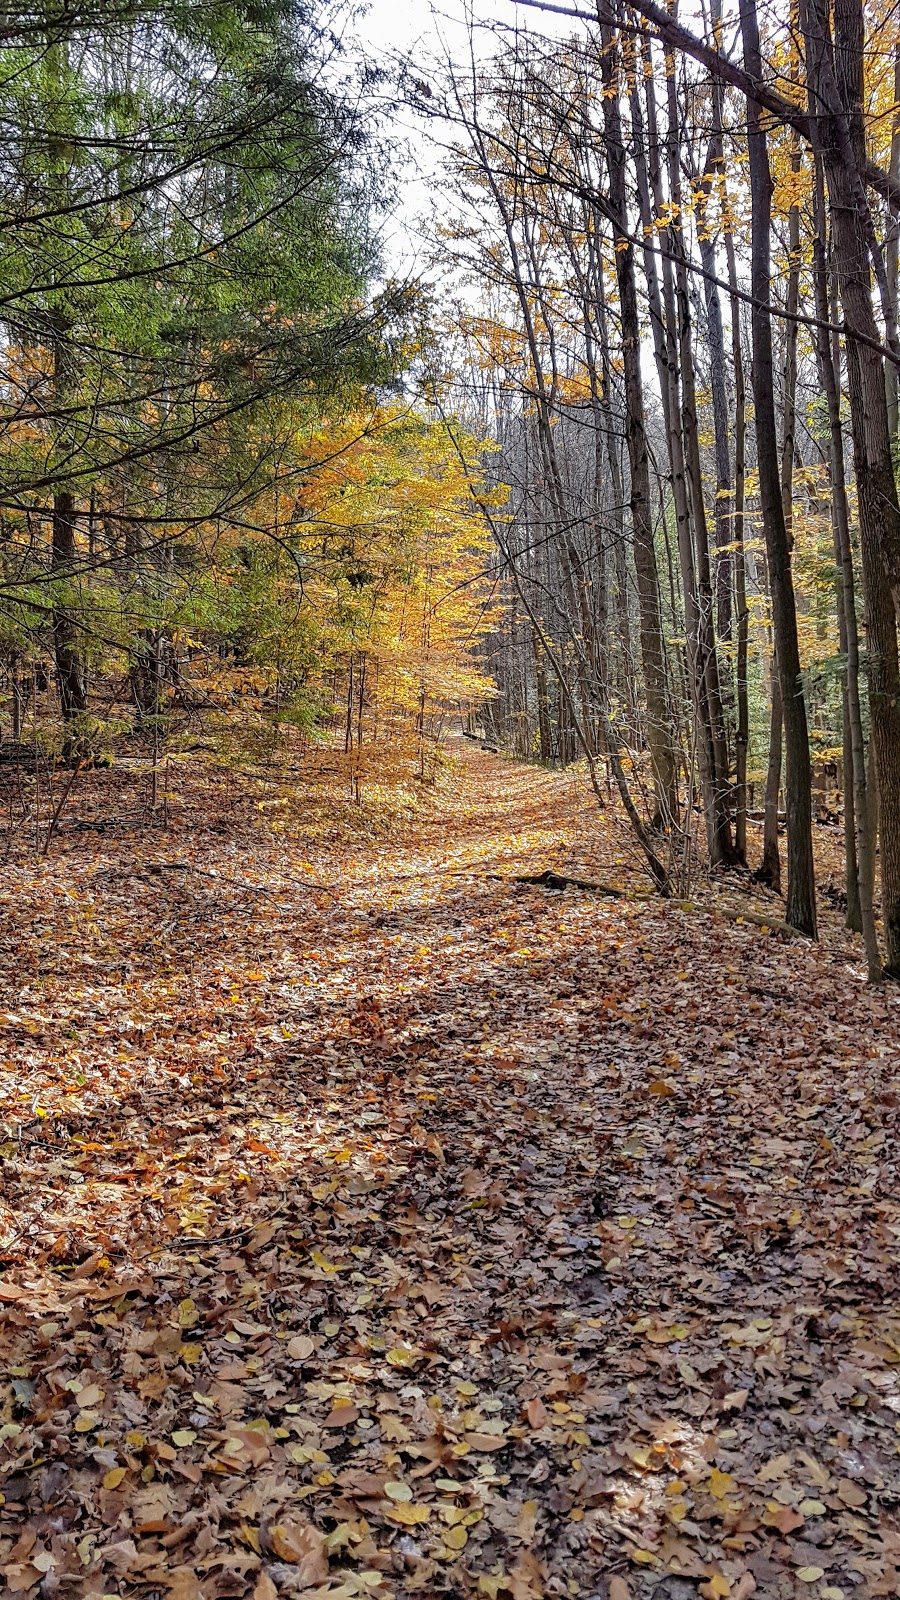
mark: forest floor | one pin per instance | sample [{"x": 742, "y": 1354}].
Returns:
[{"x": 375, "y": 1226}]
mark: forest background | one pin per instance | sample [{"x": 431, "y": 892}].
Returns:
[
  {"x": 617, "y": 466},
  {"x": 438, "y": 1165}
]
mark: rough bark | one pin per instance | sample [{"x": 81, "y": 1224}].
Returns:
[
  {"x": 652, "y": 650},
  {"x": 801, "y": 899},
  {"x": 879, "y": 510}
]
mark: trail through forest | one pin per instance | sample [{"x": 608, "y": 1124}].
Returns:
[{"x": 375, "y": 1224}]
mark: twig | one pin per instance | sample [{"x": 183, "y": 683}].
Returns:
[{"x": 57, "y": 813}]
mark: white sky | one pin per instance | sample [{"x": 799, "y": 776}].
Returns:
[{"x": 425, "y": 31}]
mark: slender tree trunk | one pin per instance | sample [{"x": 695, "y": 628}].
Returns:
[
  {"x": 664, "y": 322},
  {"x": 742, "y": 732},
  {"x": 659, "y": 731},
  {"x": 69, "y": 667},
  {"x": 800, "y": 910},
  {"x": 892, "y": 252},
  {"x": 721, "y": 846},
  {"x": 770, "y": 865},
  {"x": 879, "y": 510}
]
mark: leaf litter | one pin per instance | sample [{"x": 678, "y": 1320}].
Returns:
[{"x": 376, "y": 1225}]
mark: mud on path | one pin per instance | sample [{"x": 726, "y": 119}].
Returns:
[{"x": 373, "y": 1225}]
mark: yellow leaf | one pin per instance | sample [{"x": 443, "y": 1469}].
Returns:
[
  {"x": 320, "y": 1261},
  {"x": 398, "y": 1492},
  {"x": 456, "y": 1538},
  {"x": 188, "y": 1314},
  {"x": 85, "y": 1421},
  {"x": 401, "y": 1357},
  {"x": 721, "y": 1484},
  {"x": 408, "y": 1514},
  {"x": 191, "y": 1353},
  {"x": 492, "y": 1585},
  {"x": 183, "y": 1437},
  {"x": 645, "y": 1557},
  {"x": 810, "y": 1574},
  {"x": 667, "y": 1335},
  {"x": 114, "y": 1478}
]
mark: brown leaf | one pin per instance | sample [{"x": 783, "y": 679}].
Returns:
[
  {"x": 536, "y": 1412},
  {"x": 341, "y": 1416},
  {"x": 851, "y": 1493},
  {"x": 298, "y": 1542},
  {"x": 301, "y": 1347},
  {"x": 183, "y": 1584}
]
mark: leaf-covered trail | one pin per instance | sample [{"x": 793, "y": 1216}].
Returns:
[{"x": 425, "y": 1232}]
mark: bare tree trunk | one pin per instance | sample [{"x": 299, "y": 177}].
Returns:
[
  {"x": 892, "y": 252},
  {"x": 652, "y": 651},
  {"x": 879, "y": 510},
  {"x": 721, "y": 851},
  {"x": 770, "y": 866},
  {"x": 69, "y": 666},
  {"x": 800, "y": 909},
  {"x": 663, "y": 323},
  {"x": 742, "y": 732}
]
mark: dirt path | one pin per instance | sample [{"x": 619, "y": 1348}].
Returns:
[{"x": 426, "y": 1233}]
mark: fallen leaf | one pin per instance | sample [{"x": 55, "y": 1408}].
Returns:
[
  {"x": 851, "y": 1493},
  {"x": 301, "y": 1347},
  {"x": 721, "y": 1484},
  {"x": 302, "y": 1545},
  {"x": 407, "y": 1513},
  {"x": 536, "y": 1412}
]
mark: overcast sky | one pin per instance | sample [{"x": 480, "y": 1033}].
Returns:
[{"x": 394, "y": 28}]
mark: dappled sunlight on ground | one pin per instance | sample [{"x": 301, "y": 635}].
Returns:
[{"x": 377, "y": 1225}]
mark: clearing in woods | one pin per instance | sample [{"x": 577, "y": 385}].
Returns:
[{"x": 377, "y": 1226}]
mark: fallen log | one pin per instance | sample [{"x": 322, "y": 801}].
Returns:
[
  {"x": 758, "y": 919},
  {"x": 558, "y": 881}
]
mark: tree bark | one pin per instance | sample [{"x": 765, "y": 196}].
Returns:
[
  {"x": 879, "y": 510},
  {"x": 67, "y": 656},
  {"x": 860, "y": 853},
  {"x": 650, "y": 619},
  {"x": 800, "y": 910}
]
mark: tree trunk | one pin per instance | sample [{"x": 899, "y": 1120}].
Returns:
[
  {"x": 69, "y": 668},
  {"x": 859, "y": 843},
  {"x": 652, "y": 650},
  {"x": 742, "y": 732},
  {"x": 770, "y": 866},
  {"x": 800, "y": 910},
  {"x": 879, "y": 510}
]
